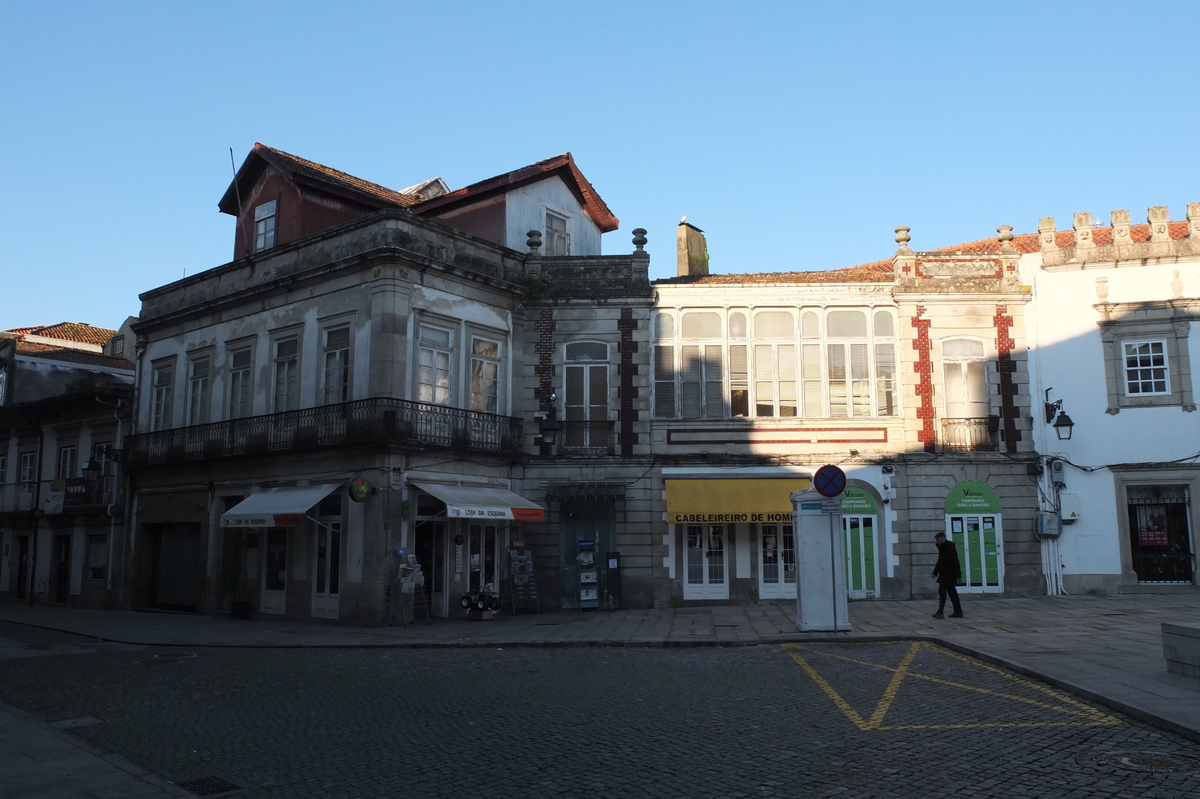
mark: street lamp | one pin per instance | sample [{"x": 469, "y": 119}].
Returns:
[
  {"x": 549, "y": 424},
  {"x": 1063, "y": 424}
]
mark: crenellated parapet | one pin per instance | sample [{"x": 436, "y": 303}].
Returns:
[{"x": 1090, "y": 242}]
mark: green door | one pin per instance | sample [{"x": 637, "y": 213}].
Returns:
[
  {"x": 581, "y": 522},
  {"x": 861, "y": 574},
  {"x": 977, "y": 539}
]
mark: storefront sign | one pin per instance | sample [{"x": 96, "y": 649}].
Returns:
[
  {"x": 731, "y": 501},
  {"x": 857, "y": 502},
  {"x": 972, "y": 496},
  {"x": 490, "y": 512}
]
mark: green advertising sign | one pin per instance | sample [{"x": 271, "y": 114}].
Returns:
[
  {"x": 857, "y": 502},
  {"x": 972, "y": 496}
]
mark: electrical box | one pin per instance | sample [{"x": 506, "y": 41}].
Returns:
[
  {"x": 1057, "y": 475},
  {"x": 1070, "y": 506},
  {"x": 1049, "y": 524}
]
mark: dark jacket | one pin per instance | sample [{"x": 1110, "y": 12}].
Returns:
[{"x": 948, "y": 570}]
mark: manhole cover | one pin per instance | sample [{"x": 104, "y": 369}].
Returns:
[
  {"x": 160, "y": 659},
  {"x": 209, "y": 786},
  {"x": 1154, "y": 762}
]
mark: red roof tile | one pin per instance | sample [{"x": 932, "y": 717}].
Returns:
[
  {"x": 876, "y": 272},
  {"x": 69, "y": 331},
  {"x": 53, "y": 353},
  {"x": 1029, "y": 242}
]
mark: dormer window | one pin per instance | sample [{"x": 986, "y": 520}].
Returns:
[
  {"x": 558, "y": 241},
  {"x": 264, "y": 226}
]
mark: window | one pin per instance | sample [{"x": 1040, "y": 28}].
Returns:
[
  {"x": 558, "y": 241},
  {"x": 287, "y": 375},
  {"x": 68, "y": 462},
  {"x": 586, "y": 395},
  {"x": 966, "y": 383},
  {"x": 1146, "y": 360},
  {"x": 102, "y": 456},
  {"x": 1146, "y": 368},
  {"x": 27, "y": 469},
  {"x": 240, "y": 385},
  {"x": 336, "y": 375},
  {"x": 97, "y": 557},
  {"x": 773, "y": 363},
  {"x": 118, "y": 346},
  {"x": 433, "y": 366},
  {"x": 198, "y": 389},
  {"x": 163, "y": 383},
  {"x": 264, "y": 226},
  {"x": 485, "y": 375}
]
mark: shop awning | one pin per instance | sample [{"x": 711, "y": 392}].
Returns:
[
  {"x": 732, "y": 500},
  {"x": 277, "y": 507},
  {"x": 484, "y": 502}
]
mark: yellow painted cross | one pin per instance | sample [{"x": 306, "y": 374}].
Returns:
[{"x": 1080, "y": 714}]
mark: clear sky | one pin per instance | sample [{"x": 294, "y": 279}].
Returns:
[{"x": 797, "y": 135}]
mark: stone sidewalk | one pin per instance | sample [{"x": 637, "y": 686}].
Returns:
[{"x": 1106, "y": 649}]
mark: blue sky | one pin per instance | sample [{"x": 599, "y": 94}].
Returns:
[{"x": 796, "y": 135}]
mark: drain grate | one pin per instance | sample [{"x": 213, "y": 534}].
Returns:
[
  {"x": 1152, "y": 762},
  {"x": 210, "y": 786}
]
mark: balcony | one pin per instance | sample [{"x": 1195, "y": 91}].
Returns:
[
  {"x": 973, "y": 434},
  {"x": 53, "y": 497},
  {"x": 588, "y": 438},
  {"x": 378, "y": 422}
]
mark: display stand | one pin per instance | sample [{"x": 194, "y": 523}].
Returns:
[
  {"x": 410, "y": 581},
  {"x": 589, "y": 583},
  {"x": 524, "y": 591}
]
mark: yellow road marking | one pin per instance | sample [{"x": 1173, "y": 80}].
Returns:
[{"x": 1093, "y": 716}]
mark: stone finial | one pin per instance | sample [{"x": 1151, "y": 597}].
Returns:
[
  {"x": 1160, "y": 219},
  {"x": 1046, "y": 234},
  {"x": 639, "y": 238},
  {"x": 1102, "y": 288},
  {"x": 1005, "y": 232},
  {"x": 1120, "y": 227},
  {"x": 902, "y": 237},
  {"x": 1176, "y": 286},
  {"x": 534, "y": 242},
  {"x": 1083, "y": 229},
  {"x": 1193, "y": 220}
]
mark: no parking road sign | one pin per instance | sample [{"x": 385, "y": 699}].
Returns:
[{"x": 830, "y": 481}]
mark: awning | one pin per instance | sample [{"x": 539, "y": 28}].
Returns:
[
  {"x": 277, "y": 507},
  {"x": 484, "y": 502},
  {"x": 732, "y": 500}
]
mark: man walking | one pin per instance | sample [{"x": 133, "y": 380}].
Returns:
[{"x": 946, "y": 572}]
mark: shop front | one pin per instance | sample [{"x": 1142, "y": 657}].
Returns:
[
  {"x": 461, "y": 534},
  {"x": 734, "y": 536},
  {"x": 973, "y": 523}
]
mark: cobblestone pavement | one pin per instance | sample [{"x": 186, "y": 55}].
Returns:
[{"x": 895, "y": 719}]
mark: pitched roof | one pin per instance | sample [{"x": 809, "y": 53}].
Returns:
[
  {"x": 561, "y": 165},
  {"x": 1029, "y": 242},
  {"x": 304, "y": 171},
  {"x": 875, "y": 272},
  {"x": 53, "y": 353},
  {"x": 69, "y": 331}
]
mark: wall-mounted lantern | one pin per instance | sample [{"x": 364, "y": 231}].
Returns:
[
  {"x": 1063, "y": 423},
  {"x": 549, "y": 424}
]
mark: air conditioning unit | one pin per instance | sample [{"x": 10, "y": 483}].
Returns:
[{"x": 1049, "y": 524}]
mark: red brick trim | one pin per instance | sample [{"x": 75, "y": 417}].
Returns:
[
  {"x": 1007, "y": 368},
  {"x": 927, "y": 435},
  {"x": 544, "y": 370},
  {"x": 626, "y": 371}
]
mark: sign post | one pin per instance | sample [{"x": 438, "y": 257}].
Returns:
[{"x": 820, "y": 554}]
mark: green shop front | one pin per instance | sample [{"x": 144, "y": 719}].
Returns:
[{"x": 973, "y": 523}]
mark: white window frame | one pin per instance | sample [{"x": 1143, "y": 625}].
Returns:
[
  {"x": 265, "y": 216},
  {"x": 285, "y": 373},
  {"x": 1131, "y": 323},
  {"x": 241, "y": 380},
  {"x": 485, "y": 392},
  {"x": 961, "y": 364},
  {"x": 337, "y": 376},
  {"x": 557, "y": 241},
  {"x": 1160, "y": 360},
  {"x": 200, "y": 368},
  {"x": 162, "y": 394},
  {"x": 67, "y": 466},
  {"x": 434, "y": 359}
]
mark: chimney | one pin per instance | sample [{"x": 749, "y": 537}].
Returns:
[{"x": 691, "y": 252}]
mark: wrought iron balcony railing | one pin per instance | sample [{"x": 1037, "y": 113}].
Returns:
[
  {"x": 974, "y": 434},
  {"x": 52, "y": 497},
  {"x": 587, "y": 438},
  {"x": 379, "y": 421}
]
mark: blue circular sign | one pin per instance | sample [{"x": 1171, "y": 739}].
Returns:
[{"x": 829, "y": 481}]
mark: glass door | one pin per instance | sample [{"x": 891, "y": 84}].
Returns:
[
  {"x": 327, "y": 570},
  {"x": 862, "y": 574},
  {"x": 777, "y": 562},
  {"x": 482, "y": 543},
  {"x": 274, "y": 593},
  {"x": 977, "y": 539},
  {"x": 704, "y": 562}
]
